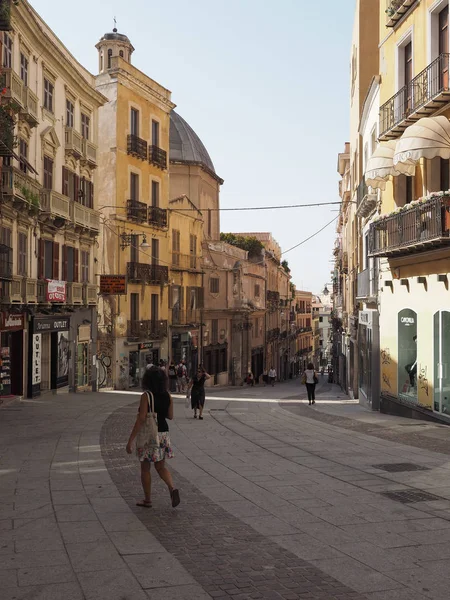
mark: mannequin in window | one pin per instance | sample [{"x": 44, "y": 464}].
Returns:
[{"x": 411, "y": 368}]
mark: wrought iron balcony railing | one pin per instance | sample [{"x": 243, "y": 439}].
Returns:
[
  {"x": 137, "y": 147},
  {"x": 185, "y": 262},
  {"x": 422, "y": 227},
  {"x": 273, "y": 334},
  {"x": 396, "y": 9},
  {"x": 157, "y": 216},
  {"x": 185, "y": 317},
  {"x": 157, "y": 156},
  {"x": 147, "y": 274},
  {"x": 137, "y": 211},
  {"x": 273, "y": 296},
  {"x": 147, "y": 329},
  {"x": 421, "y": 97}
]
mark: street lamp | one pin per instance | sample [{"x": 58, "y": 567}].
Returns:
[
  {"x": 127, "y": 238},
  {"x": 325, "y": 291}
]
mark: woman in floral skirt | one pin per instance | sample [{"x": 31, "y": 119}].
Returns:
[{"x": 154, "y": 381}]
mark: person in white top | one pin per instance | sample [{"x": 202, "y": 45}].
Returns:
[
  {"x": 272, "y": 376},
  {"x": 310, "y": 379}
]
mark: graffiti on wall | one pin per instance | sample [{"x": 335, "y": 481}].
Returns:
[
  {"x": 104, "y": 361},
  {"x": 386, "y": 362},
  {"x": 423, "y": 381}
]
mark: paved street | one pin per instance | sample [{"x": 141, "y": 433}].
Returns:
[{"x": 279, "y": 500}]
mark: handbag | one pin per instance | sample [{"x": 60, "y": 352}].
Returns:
[
  {"x": 303, "y": 380},
  {"x": 148, "y": 436},
  {"x": 316, "y": 380}
]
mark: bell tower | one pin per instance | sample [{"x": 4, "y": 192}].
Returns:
[{"x": 111, "y": 45}]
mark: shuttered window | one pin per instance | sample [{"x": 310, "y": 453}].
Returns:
[
  {"x": 48, "y": 173},
  {"x": 84, "y": 266},
  {"x": 22, "y": 253},
  {"x": 214, "y": 285}
]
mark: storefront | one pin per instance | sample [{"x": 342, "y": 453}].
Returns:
[
  {"x": 50, "y": 355},
  {"x": 138, "y": 359},
  {"x": 369, "y": 359},
  {"x": 257, "y": 362},
  {"x": 11, "y": 354},
  {"x": 185, "y": 347}
]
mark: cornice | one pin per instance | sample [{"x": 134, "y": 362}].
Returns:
[{"x": 131, "y": 82}]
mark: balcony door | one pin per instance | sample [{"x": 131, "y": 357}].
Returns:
[
  {"x": 154, "y": 307},
  {"x": 408, "y": 75},
  {"x": 442, "y": 362},
  {"x": 443, "y": 48}
]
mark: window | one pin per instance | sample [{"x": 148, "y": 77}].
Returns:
[
  {"x": 214, "y": 285},
  {"x": 134, "y": 186},
  {"x": 155, "y": 133},
  {"x": 214, "y": 331},
  {"x": 22, "y": 254},
  {"x": 193, "y": 251},
  {"x": 23, "y": 153},
  {"x": 320, "y": 319},
  {"x": 155, "y": 193},
  {"x": 71, "y": 185},
  {"x": 48, "y": 95},
  {"x": 70, "y": 111},
  {"x": 134, "y": 122},
  {"x": 409, "y": 190},
  {"x": 134, "y": 307},
  {"x": 134, "y": 248},
  {"x": 84, "y": 266},
  {"x": 70, "y": 264},
  {"x": 85, "y": 126},
  {"x": 154, "y": 307},
  {"x": 121, "y": 53},
  {"x": 48, "y": 259},
  {"x": 24, "y": 68},
  {"x": 257, "y": 290},
  {"x": 155, "y": 251},
  {"x": 445, "y": 172},
  {"x": 109, "y": 58},
  {"x": 373, "y": 140},
  {"x": 7, "y": 51},
  {"x": 48, "y": 173},
  {"x": 175, "y": 247},
  {"x": 86, "y": 193}
]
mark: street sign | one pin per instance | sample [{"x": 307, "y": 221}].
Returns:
[{"x": 113, "y": 284}]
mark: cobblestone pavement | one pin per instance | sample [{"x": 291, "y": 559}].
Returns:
[{"x": 279, "y": 500}]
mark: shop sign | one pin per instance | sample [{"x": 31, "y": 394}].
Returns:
[
  {"x": 146, "y": 346},
  {"x": 37, "y": 345},
  {"x": 10, "y": 322},
  {"x": 50, "y": 324},
  {"x": 176, "y": 337},
  {"x": 113, "y": 284},
  {"x": 56, "y": 290}
]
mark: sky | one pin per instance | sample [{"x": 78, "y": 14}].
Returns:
[{"x": 264, "y": 84}]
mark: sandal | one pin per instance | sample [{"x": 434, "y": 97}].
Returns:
[
  {"x": 175, "y": 496},
  {"x": 144, "y": 504}
]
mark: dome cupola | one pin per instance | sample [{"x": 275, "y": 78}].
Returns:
[{"x": 111, "y": 45}]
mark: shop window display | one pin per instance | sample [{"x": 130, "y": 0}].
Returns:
[
  {"x": 407, "y": 355},
  {"x": 441, "y": 361}
]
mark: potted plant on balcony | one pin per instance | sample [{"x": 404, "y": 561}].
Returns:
[
  {"x": 5, "y": 14},
  {"x": 7, "y": 138}
]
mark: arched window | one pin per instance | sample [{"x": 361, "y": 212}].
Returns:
[
  {"x": 109, "y": 58},
  {"x": 121, "y": 54},
  {"x": 407, "y": 355}
]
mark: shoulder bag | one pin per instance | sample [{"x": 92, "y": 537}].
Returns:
[{"x": 148, "y": 436}]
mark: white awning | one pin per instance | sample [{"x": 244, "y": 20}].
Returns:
[
  {"x": 380, "y": 165},
  {"x": 428, "y": 138}
]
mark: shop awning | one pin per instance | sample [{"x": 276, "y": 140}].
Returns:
[
  {"x": 428, "y": 138},
  {"x": 380, "y": 165}
]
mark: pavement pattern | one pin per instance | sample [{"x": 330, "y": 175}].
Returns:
[{"x": 279, "y": 500}]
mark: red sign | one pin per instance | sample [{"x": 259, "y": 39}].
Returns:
[
  {"x": 10, "y": 322},
  {"x": 113, "y": 284},
  {"x": 56, "y": 290}
]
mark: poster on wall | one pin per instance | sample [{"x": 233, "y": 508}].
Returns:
[
  {"x": 63, "y": 359},
  {"x": 37, "y": 353},
  {"x": 5, "y": 371},
  {"x": 56, "y": 290}
]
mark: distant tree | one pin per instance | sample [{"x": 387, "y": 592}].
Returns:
[{"x": 249, "y": 243}]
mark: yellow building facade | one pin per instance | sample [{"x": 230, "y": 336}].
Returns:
[
  {"x": 411, "y": 233},
  {"x": 134, "y": 190}
]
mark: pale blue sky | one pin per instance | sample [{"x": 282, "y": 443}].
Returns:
[{"x": 265, "y": 86}]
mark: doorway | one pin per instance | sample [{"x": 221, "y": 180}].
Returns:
[{"x": 442, "y": 362}]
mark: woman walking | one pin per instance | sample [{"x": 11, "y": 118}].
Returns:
[
  {"x": 197, "y": 387},
  {"x": 310, "y": 379},
  {"x": 157, "y": 397}
]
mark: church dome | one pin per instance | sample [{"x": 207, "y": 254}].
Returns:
[
  {"x": 186, "y": 146},
  {"x": 115, "y": 36}
]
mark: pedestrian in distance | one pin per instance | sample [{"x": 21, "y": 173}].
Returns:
[
  {"x": 250, "y": 379},
  {"x": 265, "y": 378},
  {"x": 272, "y": 376},
  {"x": 162, "y": 364},
  {"x": 155, "y": 448},
  {"x": 181, "y": 377},
  {"x": 197, "y": 387},
  {"x": 172, "y": 373},
  {"x": 310, "y": 380}
]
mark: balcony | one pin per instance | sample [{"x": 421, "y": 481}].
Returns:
[
  {"x": 147, "y": 330},
  {"x": 424, "y": 95},
  {"x": 396, "y": 9},
  {"x": 89, "y": 294},
  {"x": 147, "y": 274},
  {"x": 137, "y": 147},
  {"x": 273, "y": 296},
  {"x": 30, "y": 107},
  {"x": 366, "y": 199},
  {"x": 424, "y": 226},
  {"x": 137, "y": 211},
  {"x": 11, "y": 82},
  {"x": 55, "y": 204},
  {"x": 73, "y": 142},
  {"x": 42, "y": 291},
  {"x": 74, "y": 293},
  {"x": 12, "y": 291},
  {"x": 185, "y": 317},
  {"x": 273, "y": 334},
  {"x": 89, "y": 153},
  {"x": 185, "y": 262},
  {"x": 20, "y": 187},
  {"x": 6, "y": 257},
  {"x": 157, "y": 216},
  {"x": 5, "y": 15},
  {"x": 85, "y": 217},
  {"x": 29, "y": 290},
  {"x": 157, "y": 156}
]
